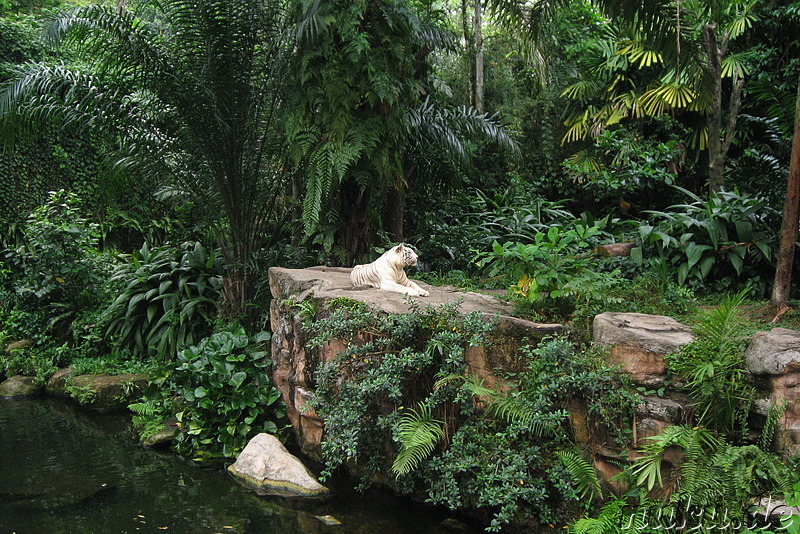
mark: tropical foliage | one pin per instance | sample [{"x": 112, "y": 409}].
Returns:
[
  {"x": 195, "y": 106},
  {"x": 166, "y": 299},
  {"x": 220, "y": 393},
  {"x": 412, "y": 407},
  {"x": 159, "y": 157}
]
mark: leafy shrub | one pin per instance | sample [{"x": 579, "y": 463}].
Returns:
[
  {"x": 409, "y": 406},
  {"x": 221, "y": 393},
  {"x": 167, "y": 298},
  {"x": 714, "y": 370},
  {"x": 724, "y": 239},
  {"x": 39, "y": 362},
  {"x": 557, "y": 268},
  {"x": 60, "y": 272},
  {"x": 446, "y": 236}
]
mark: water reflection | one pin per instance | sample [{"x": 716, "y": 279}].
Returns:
[{"x": 63, "y": 470}]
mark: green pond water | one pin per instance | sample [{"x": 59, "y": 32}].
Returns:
[{"x": 63, "y": 470}]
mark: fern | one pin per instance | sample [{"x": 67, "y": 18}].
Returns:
[
  {"x": 148, "y": 419},
  {"x": 613, "y": 519},
  {"x": 418, "y": 434},
  {"x": 582, "y": 472},
  {"x": 775, "y": 412},
  {"x": 714, "y": 370},
  {"x": 692, "y": 440},
  {"x": 510, "y": 407}
]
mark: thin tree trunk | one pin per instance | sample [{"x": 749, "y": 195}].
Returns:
[
  {"x": 395, "y": 211},
  {"x": 478, "y": 30},
  {"x": 353, "y": 236},
  {"x": 783, "y": 271},
  {"x": 718, "y": 145},
  {"x": 469, "y": 46},
  {"x": 716, "y": 158}
]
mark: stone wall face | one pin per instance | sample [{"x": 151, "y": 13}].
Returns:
[
  {"x": 774, "y": 360},
  {"x": 637, "y": 344}
]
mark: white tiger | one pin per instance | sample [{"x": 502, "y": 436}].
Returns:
[{"x": 387, "y": 272}]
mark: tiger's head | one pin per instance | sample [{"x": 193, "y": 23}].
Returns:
[{"x": 405, "y": 255}]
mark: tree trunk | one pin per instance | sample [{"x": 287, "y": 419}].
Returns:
[
  {"x": 394, "y": 213},
  {"x": 718, "y": 145},
  {"x": 469, "y": 46},
  {"x": 354, "y": 232},
  {"x": 478, "y": 30},
  {"x": 783, "y": 271},
  {"x": 716, "y": 158}
]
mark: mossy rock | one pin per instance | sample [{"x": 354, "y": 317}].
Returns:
[
  {"x": 106, "y": 393},
  {"x": 19, "y": 386}
]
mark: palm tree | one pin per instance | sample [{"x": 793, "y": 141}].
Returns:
[
  {"x": 193, "y": 93},
  {"x": 683, "y": 51},
  {"x": 438, "y": 141},
  {"x": 362, "y": 120}
]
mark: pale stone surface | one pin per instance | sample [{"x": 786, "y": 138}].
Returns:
[
  {"x": 333, "y": 282},
  {"x": 269, "y": 469},
  {"x": 19, "y": 386},
  {"x": 774, "y": 352},
  {"x": 638, "y": 343},
  {"x": 654, "y": 333}
]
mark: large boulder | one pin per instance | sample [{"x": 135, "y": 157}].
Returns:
[
  {"x": 775, "y": 352},
  {"x": 268, "y": 468},
  {"x": 57, "y": 383},
  {"x": 19, "y": 386},
  {"x": 638, "y": 342},
  {"x": 293, "y": 366},
  {"x": 106, "y": 393},
  {"x": 773, "y": 358}
]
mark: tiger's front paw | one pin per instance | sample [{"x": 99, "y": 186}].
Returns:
[{"x": 423, "y": 293}]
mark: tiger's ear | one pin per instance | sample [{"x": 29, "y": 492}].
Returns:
[{"x": 399, "y": 247}]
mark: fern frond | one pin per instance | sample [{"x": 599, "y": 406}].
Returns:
[
  {"x": 508, "y": 406},
  {"x": 694, "y": 442},
  {"x": 774, "y": 413},
  {"x": 583, "y": 472},
  {"x": 418, "y": 433}
]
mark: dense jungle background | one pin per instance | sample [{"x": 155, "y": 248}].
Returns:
[{"x": 159, "y": 156}]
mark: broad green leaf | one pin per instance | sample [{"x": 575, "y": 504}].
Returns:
[{"x": 237, "y": 379}]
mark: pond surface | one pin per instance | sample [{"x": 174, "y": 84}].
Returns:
[{"x": 63, "y": 470}]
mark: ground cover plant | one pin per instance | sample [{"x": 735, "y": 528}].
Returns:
[{"x": 219, "y": 391}]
